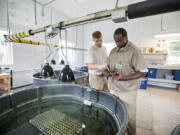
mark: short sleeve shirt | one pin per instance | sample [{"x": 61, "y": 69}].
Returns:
[
  {"x": 97, "y": 55},
  {"x": 127, "y": 60}
]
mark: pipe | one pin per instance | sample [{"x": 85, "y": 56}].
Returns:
[
  {"x": 35, "y": 12},
  {"x": 141, "y": 9},
  {"x": 51, "y": 45},
  {"x": 66, "y": 40},
  {"x": 18, "y": 35},
  {"x": 152, "y": 7},
  {"x": 95, "y": 16}
]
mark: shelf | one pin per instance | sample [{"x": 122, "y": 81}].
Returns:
[
  {"x": 4, "y": 85},
  {"x": 5, "y": 76},
  {"x": 164, "y": 67},
  {"x": 143, "y": 79},
  {"x": 164, "y": 80}
]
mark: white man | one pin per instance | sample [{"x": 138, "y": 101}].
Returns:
[{"x": 96, "y": 62}]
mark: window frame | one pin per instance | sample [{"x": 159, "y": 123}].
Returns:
[
  {"x": 10, "y": 45},
  {"x": 169, "y": 52}
]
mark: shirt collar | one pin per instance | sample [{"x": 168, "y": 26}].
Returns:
[
  {"x": 123, "y": 49},
  {"x": 97, "y": 47}
]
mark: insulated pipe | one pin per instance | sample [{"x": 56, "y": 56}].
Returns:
[
  {"x": 141, "y": 9},
  {"x": 95, "y": 16},
  {"x": 18, "y": 35},
  {"x": 152, "y": 7},
  {"x": 51, "y": 45}
]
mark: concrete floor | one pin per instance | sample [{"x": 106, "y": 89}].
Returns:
[{"x": 158, "y": 111}]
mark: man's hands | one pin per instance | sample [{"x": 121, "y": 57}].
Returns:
[
  {"x": 119, "y": 77},
  {"x": 103, "y": 67},
  {"x": 106, "y": 73}
]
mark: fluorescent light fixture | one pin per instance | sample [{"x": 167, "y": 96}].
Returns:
[
  {"x": 167, "y": 35},
  {"x": 81, "y": 1}
]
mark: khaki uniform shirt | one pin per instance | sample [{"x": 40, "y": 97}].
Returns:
[
  {"x": 127, "y": 60},
  {"x": 97, "y": 55}
]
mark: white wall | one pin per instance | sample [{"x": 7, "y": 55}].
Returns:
[
  {"x": 28, "y": 57},
  {"x": 141, "y": 31},
  {"x": 75, "y": 35}
]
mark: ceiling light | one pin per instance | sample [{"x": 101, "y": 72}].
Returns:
[
  {"x": 167, "y": 35},
  {"x": 47, "y": 71},
  {"x": 66, "y": 74},
  {"x": 81, "y": 1}
]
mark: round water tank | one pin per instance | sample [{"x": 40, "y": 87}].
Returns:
[
  {"x": 81, "y": 78},
  {"x": 62, "y": 109}
]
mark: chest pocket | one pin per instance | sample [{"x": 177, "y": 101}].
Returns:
[{"x": 123, "y": 60}]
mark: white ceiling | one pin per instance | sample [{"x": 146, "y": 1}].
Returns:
[
  {"x": 77, "y": 8},
  {"x": 22, "y": 11}
]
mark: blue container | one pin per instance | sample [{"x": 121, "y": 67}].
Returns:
[
  {"x": 177, "y": 75},
  {"x": 152, "y": 73},
  {"x": 143, "y": 84}
]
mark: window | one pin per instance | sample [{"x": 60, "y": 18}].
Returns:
[
  {"x": 70, "y": 52},
  {"x": 109, "y": 47},
  {"x": 5, "y": 50},
  {"x": 174, "y": 51}
]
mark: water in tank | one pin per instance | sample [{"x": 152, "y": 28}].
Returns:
[{"x": 62, "y": 110}]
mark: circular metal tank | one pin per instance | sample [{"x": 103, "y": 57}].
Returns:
[
  {"x": 81, "y": 78},
  {"x": 28, "y": 111},
  {"x": 176, "y": 130}
]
